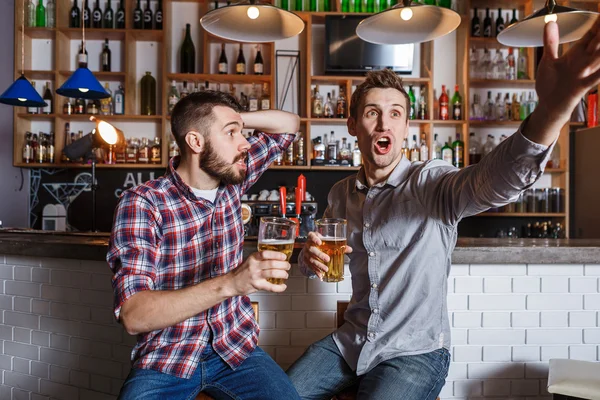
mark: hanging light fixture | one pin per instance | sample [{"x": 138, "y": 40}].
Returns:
[
  {"x": 21, "y": 93},
  {"x": 83, "y": 84},
  {"x": 408, "y": 23},
  {"x": 572, "y": 25},
  {"x": 252, "y": 21}
]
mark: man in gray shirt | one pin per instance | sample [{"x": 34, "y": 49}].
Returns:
[{"x": 402, "y": 228}]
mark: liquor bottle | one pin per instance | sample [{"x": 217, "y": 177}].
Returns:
[
  {"x": 32, "y": 110},
  {"x": 456, "y": 105},
  {"x": 97, "y": 16},
  {"x": 423, "y": 149},
  {"x": 474, "y": 149},
  {"x": 79, "y": 106},
  {"x": 514, "y": 16},
  {"x": 34, "y": 147},
  {"x": 74, "y": 16},
  {"x": 120, "y": 16},
  {"x": 300, "y": 159},
  {"x": 223, "y": 60},
  {"x": 500, "y": 115},
  {"x": 131, "y": 154},
  {"x": 444, "y": 112},
  {"x": 50, "y": 149},
  {"x": 499, "y": 66},
  {"x": 511, "y": 72},
  {"x": 144, "y": 152},
  {"x": 109, "y": 17},
  {"x": 119, "y": 103},
  {"x": 27, "y": 151},
  {"x": 106, "y": 106},
  {"x": 405, "y": 149},
  {"x": 184, "y": 90},
  {"x": 87, "y": 14},
  {"x": 253, "y": 99},
  {"x": 489, "y": 113},
  {"x": 414, "y": 151},
  {"x": 265, "y": 99},
  {"x": 356, "y": 155},
  {"x": 516, "y": 107},
  {"x": 172, "y": 97},
  {"x": 40, "y": 154},
  {"x": 106, "y": 57},
  {"x": 344, "y": 153},
  {"x": 523, "y": 110},
  {"x": 345, "y": 6},
  {"x": 147, "y": 16},
  {"x": 155, "y": 151},
  {"x": 487, "y": 24},
  {"x": 82, "y": 57},
  {"x": 499, "y": 22},
  {"x": 340, "y": 107},
  {"x": 328, "y": 107},
  {"x": 411, "y": 97},
  {"x": 240, "y": 64},
  {"x": 317, "y": 104},
  {"x": 458, "y": 152},
  {"x": 475, "y": 25},
  {"x": 522, "y": 64},
  {"x": 158, "y": 18},
  {"x": 507, "y": 108},
  {"x": 138, "y": 18},
  {"x": 447, "y": 154},
  {"x": 244, "y": 101},
  {"x": 48, "y": 99},
  {"x": 40, "y": 15},
  {"x": 422, "y": 110},
  {"x": 31, "y": 22},
  {"x": 489, "y": 146},
  {"x": 332, "y": 149},
  {"x": 188, "y": 53},
  {"x": 148, "y": 95},
  {"x": 436, "y": 149},
  {"x": 258, "y": 63},
  {"x": 50, "y": 14},
  {"x": 173, "y": 148}
]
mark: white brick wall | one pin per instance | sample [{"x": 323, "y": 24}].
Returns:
[{"x": 59, "y": 340}]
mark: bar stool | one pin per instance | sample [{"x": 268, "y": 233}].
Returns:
[{"x": 574, "y": 379}]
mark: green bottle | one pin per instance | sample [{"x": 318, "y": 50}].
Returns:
[
  {"x": 447, "y": 152},
  {"x": 40, "y": 15},
  {"x": 445, "y": 3},
  {"x": 411, "y": 96},
  {"x": 327, "y": 5},
  {"x": 285, "y": 5},
  {"x": 314, "y": 5},
  {"x": 458, "y": 150},
  {"x": 299, "y": 5},
  {"x": 148, "y": 95},
  {"x": 345, "y": 5},
  {"x": 383, "y": 5},
  {"x": 370, "y": 6},
  {"x": 357, "y": 5}
]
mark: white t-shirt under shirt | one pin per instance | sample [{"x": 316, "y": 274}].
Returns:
[{"x": 209, "y": 195}]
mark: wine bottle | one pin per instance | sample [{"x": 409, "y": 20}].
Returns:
[
  {"x": 188, "y": 53},
  {"x": 148, "y": 16},
  {"x": 158, "y": 16},
  {"x": 120, "y": 16},
  {"x": 48, "y": 99},
  {"x": 106, "y": 57},
  {"x": 487, "y": 24},
  {"x": 137, "y": 16},
  {"x": 476, "y": 25},
  {"x": 148, "y": 95},
  {"x": 87, "y": 22},
  {"x": 514, "y": 17},
  {"x": 50, "y": 14},
  {"x": 223, "y": 60},
  {"x": 75, "y": 16},
  {"x": 499, "y": 22},
  {"x": 97, "y": 16},
  {"x": 108, "y": 16},
  {"x": 240, "y": 64},
  {"x": 82, "y": 57},
  {"x": 258, "y": 63},
  {"x": 40, "y": 15}
]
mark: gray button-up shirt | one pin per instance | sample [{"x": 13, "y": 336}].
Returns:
[{"x": 403, "y": 232}]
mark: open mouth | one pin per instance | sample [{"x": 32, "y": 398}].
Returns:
[{"x": 383, "y": 145}]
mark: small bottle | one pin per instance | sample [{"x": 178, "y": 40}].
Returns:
[
  {"x": 184, "y": 90},
  {"x": 173, "y": 97},
  {"x": 456, "y": 105},
  {"x": 317, "y": 104},
  {"x": 300, "y": 159},
  {"x": 265, "y": 99},
  {"x": 50, "y": 149},
  {"x": 422, "y": 110},
  {"x": 48, "y": 109},
  {"x": 31, "y": 23},
  {"x": 340, "y": 108},
  {"x": 356, "y": 155},
  {"x": 68, "y": 107},
  {"x": 80, "y": 106},
  {"x": 436, "y": 149},
  {"x": 458, "y": 152},
  {"x": 447, "y": 154},
  {"x": 27, "y": 151},
  {"x": 148, "y": 16},
  {"x": 253, "y": 99},
  {"x": 119, "y": 103},
  {"x": 240, "y": 65},
  {"x": 97, "y": 16},
  {"x": 82, "y": 57},
  {"x": 138, "y": 18},
  {"x": 106, "y": 105},
  {"x": 50, "y": 14},
  {"x": 423, "y": 150},
  {"x": 106, "y": 57},
  {"x": 328, "y": 107},
  {"x": 474, "y": 149},
  {"x": 258, "y": 63},
  {"x": 414, "y": 151},
  {"x": 144, "y": 152},
  {"x": 444, "y": 112},
  {"x": 158, "y": 16},
  {"x": 155, "y": 151},
  {"x": 131, "y": 154},
  {"x": 222, "y": 61},
  {"x": 40, "y": 15}
]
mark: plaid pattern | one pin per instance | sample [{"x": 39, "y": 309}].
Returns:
[{"x": 164, "y": 238}]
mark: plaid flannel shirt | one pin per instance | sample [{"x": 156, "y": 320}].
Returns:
[{"x": 165, "y": 238}]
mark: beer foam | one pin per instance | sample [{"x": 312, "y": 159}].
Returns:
[{"x": 275, "y": 241}]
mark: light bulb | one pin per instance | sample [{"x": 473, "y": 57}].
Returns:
[
  {"x": 550, "y": 17},
  {"x": 252, "y": 12},
  {"x": 84, "y": 90},
  {"x": 107, "y": 132},
  {"x": 406, "y": 14},
  {"x": 21, "y": 99}
]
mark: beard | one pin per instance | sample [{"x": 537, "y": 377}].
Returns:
[{"x": 215, "y": 166}]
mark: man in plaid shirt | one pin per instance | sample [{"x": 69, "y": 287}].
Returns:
[{"x": 176, "y": 246}]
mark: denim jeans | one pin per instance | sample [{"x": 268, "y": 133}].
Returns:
[
  {"x": 259, "y": 377},
  {"x": 322, "y": 372}
]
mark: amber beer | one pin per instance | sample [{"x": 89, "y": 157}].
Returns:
[
  {"x": 334, "y": 248},
  {"x": 283, "y": 246}
]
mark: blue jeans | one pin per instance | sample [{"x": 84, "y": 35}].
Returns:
[
  {"x": 259, "y": 377},
  {"x": 322, "y": 372}
]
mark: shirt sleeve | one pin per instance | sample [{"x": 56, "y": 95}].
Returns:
[
  {"x": 264, "y": 150},
  {"x": 133, "y": 248},
  {"x": 451, "y": 194}
]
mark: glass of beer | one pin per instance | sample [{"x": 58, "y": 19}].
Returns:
[
  {"x": 277, "y": 234},
  {"x": 333, "y": 236}
]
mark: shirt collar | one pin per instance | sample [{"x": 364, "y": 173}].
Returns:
[{"x": 398, "y": 175}]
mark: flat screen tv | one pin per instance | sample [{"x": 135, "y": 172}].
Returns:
[{"x": 346, "y": 53}]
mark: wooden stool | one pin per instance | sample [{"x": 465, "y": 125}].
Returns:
[
  {"x": 574, "y": 379},
  {"x": 203, "y": 396}
]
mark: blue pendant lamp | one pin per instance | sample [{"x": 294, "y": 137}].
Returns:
[
  {"x": 21, "y": 93},
  {"x": 83, "y": 84}
]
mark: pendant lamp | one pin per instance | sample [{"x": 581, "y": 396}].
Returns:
[
  {"x": 21, "y": 93},
  {"x": 572, "y": 25},
  {"x": 252, "y": 22},
  {"x": 83, "y": 84},
  {"x": 408, "y": 23}
]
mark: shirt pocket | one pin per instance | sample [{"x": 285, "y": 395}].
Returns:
[{"x": 404, "y": 226}]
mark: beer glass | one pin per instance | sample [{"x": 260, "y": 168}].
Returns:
[
  {"x": 333, "y": 238},
  {"x": 277, "y": 234}
]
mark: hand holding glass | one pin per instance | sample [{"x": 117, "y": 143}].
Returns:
[
  {"x": 277, "y": 234},
  {"x": 333, "y": 238}
]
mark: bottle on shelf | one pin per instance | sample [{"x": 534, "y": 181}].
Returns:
[
  {"x": 507, "y": 108},
  {"x": 411, "y": 97},
  {"x": 40, "y": 15},
  {"x": 475, "y": 24},
  {"x": 499, "y": 22},
  {"x": 422, "y": 108},
  {"x": 50, "y": 14},
  {"x": 34, "y": 147},
  {"x": 87, "y": 14},
  {"x": 444, "y": 112},
  {"x": 120, "y": 16},
  {"x": 173, "y": 148},
  {"x": 514, "y": 16},
  {"x": 473, "y": 64},
  {"x": 458, "y": 152},
  {"x": 31, "y": 12},
  {"x": 97, "y": 16},
  {"x": 522, "y": 64},
  {"x": 328, "y": 107},
  {"x": 32, "y": 110},
  {"x": 93, "y": 107},
  {"x": 188, "y": 53},
  {"x": 253, "y": 99},
  {"x": 489, "y": 111},
  {"x": 184, "y": 90},
  {"x": 155, "y": 151},
  {"x": 82, "y": 57},
  {"x": 265, "y": 99},
  {"x": 332, "y": 148},
  {"x": 476, "y": 110},
  {"x": 258, "y": 62},
  {"x": 40, "y": 154},
  {"x": 405, "y": 149},
  {"x": 240, "y": 64},
  {"x": 148, "y": 95},
  {"x": 222, "y": 67},
  {"x": 74, "y": 16},
  {"x": 131, "y": 154},
  {"x": 80, "y": 106},
  {"x": 27, "y": 150},
  {"x": 50, "y": 149},
  {"x": 474, "y": 149},
  {"x": 172, "y": 97},
  {"x": 500, "y": 108},
  {"x": 524, "y": 108},
  {"x": 119, "y": 102},
  {"x": 447, "y": 154},
  {"x": 499, "y": 66},
  {"x": 108, "y": 21},
  {"x": 489, "y": 146},
  {"x": 158, "y": 18},
  {"x": 356, "y": 155},
  {"x": 48, "y": 99},
  {"x": 138, "y": 17},
  {"x": 106, "y": 57},
  {"x": 340, "y": 106},
  {"x": 318, "y": 149},
  {"x": 436, "y": 149},
  {"x": 516, "y": 108},
  {"x": 456, "y": 105},
  {"x": 487, "y": 24},
  {"x": 511, "y": 72},
  {"x": 300, "y": 158},
  {"x": 414, "y": 151},
  {"x": 317, "y": 104},
  {"x": 147, "y": 24},
  {"x": 106, "y": 105},
  {"x": 144, "y": 152}
]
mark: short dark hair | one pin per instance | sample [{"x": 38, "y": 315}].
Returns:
[
  {"x": 194, "y": 112},
  {"x": 382, "y": 79}
]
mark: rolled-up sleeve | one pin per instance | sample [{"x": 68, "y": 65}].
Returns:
[{"x": 133, "y": 249}]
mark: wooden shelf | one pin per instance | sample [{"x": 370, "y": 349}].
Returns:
[
  {"x": 577, "y": 124},
  {"x": 101, "y": 75},
  {"x": 94, "y": 33},
  {"x": 36, "y": 116},
  {"x": 40, "y": 75},
  {"x": 220, "y": 78},
  {"x": 326, "y": 121},
  {"x": 86, "y": 117},
  {"x": 147, "y": 35},
  {"x": 40, "y": 33},
  {"x": 83, "y": 166},
  {"x": 505, "y": 214},
  {"x": 486, "y": 42},
  {"x": 440, "y": 122},
  {"x": 555, "y": 170},
  {"x": 503, "y": 83},
  {"x": 340, "y": 168},
  {"x": 483, "y": 124},
  {"x": 336, "y": 79},
  {"x": 290, "y": 167}
]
